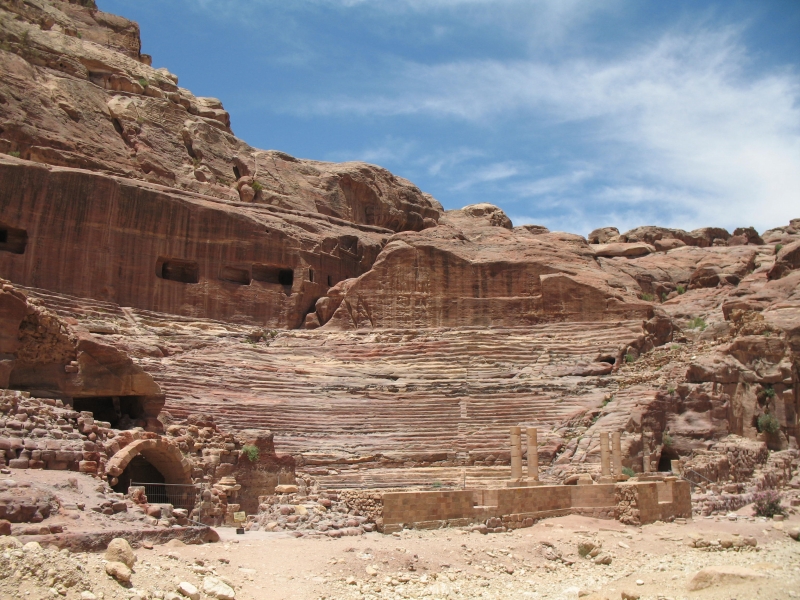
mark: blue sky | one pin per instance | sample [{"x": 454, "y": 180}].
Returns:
[{"x": 574, "y": 114}]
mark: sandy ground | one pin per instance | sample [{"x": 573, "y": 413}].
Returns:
[{"x": 456, "y": 564}]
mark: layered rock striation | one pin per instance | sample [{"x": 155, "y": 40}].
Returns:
[{"x": 383, "y": 340}]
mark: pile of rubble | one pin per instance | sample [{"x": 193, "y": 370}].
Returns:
[
  {"x": 308, "y": 511},
  {"x": 41, "y": 433}
]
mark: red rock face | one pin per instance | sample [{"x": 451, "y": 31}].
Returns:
[
  {"x": 128, "y": 206},
  {"x": 170, "y": 251},
  {"x": 472, "y": 270}
]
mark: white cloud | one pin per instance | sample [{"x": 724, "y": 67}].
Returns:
[
  {"x": 680, "y": 121},
  {"x": 493, "y": 172}
]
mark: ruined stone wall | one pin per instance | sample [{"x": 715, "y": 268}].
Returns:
[{"x": 511, "y": 508}]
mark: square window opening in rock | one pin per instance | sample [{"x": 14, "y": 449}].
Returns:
[
  {"x": 12, "y": 239},
  {"x": 272, "y": 274},
  {"x": 235, "y": 275},
  {"x": 174, "y": 269}
]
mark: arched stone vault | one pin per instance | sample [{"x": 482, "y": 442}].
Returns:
[{"x": 165, "y": 457}]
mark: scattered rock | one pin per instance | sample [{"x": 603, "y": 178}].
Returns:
[
  {"x": 188, "y": 590},
  {"x": 216, "y": 588},
  {"x": 119, "y": 571}
]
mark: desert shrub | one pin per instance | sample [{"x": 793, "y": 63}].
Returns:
[
  {"x": 767, "y": 504},
  {"x": 663, "y": 296},
  {"x": 257, "y": 186},
  {"x": 647, "y": 297},
  {"x": 629, "y": 358},
  {"x": 778, "y": 248},
  {"x": 143, "y": 82},
  {"x": 675, "y": 347},
  {"x": 697, "y": 323},
  {"x": 681, "y": 289},
  {"x": 670, "y": 390},
  {"x": 251, "y": 452},
  {"x": 14, "y": 153},
  {"x": 437, "y": 484},
  {"x": 628, "y": 471},
  {"x": 666, "y": 439},
  {"x": 767, "y": 423}
]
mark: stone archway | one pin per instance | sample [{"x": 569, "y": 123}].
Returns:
[{"x": 165, "y": 457}]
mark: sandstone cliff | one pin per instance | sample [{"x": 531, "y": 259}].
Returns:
[{"x": 337, "y": 305}]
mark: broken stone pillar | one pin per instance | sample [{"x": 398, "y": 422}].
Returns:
[
  {"x": 516, "y": 453},
  {"x": 533, "y": 454},
  {"x": 645, "y": 453},
  {"x": 675, "y": 465},
  {"x": 605, "y": 463},
  {"x": 616, "y": 454}
]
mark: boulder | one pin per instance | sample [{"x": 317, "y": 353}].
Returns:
[
  {"x": 216, "y": 588},
  {"x": 119, "y": 571},
  {"x": 188, "y": 590},
  {"x": 494, "y": 215},
  {"x": 668, "y": 244},
  {"x": 119, "y": 550},
  {"x": 603, "y": 235},
  {"x": 723, "y": 575},
  {"x": 622, "y": 250},
  {"x": 786, "y": 261}
]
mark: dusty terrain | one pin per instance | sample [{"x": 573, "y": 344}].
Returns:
[{"x": 538, "y": 562}]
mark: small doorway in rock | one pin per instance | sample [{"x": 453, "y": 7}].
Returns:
[
  {"x": 139, "y": 470},
  {"x": 123, "y": 412},
  {"x": 236, "y": 173},
  {"x": 667, "y": 456}
]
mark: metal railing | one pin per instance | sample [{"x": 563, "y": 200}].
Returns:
[
  {"x": 178, "y": 494},
  {"x": 694, "y": 483}
]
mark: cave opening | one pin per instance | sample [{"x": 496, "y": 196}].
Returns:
[
  {"x": 140, "y": 470},
  {"x": 330, "y": 281},
  {"x": 311, "y": 275},
  {"x": 607, "y": 359},
  {"x": 13, "y": 239},
  {"x": 236, "y": 173},
  {"x": 667, "y": 456},
  {"x": 123, "y": 412},
  {"x": 174, "y": 269}
]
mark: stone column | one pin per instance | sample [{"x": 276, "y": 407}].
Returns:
[
  {"x": 675, "y": 465},
  {"x": 616, "y": 453},
  {"x": 645, "y": 453},
  {"x": 533, "y": 454},
  {"x": 605, "y": 463},
  {"x": 516, "y": 453}
]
